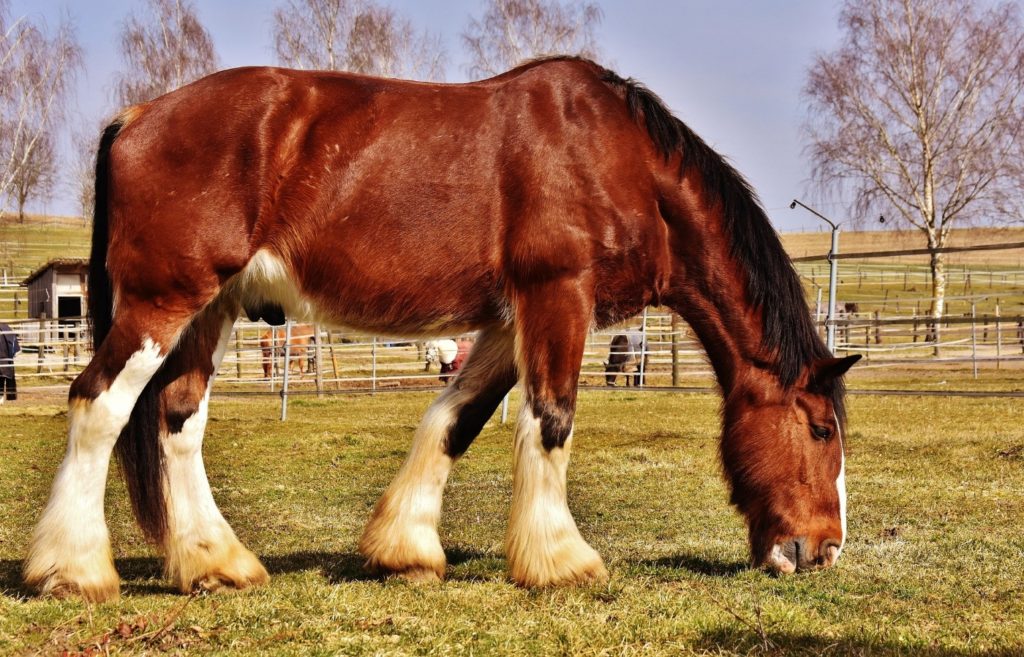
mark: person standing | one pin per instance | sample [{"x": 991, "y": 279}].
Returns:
[{"x": 8, "y": 348}]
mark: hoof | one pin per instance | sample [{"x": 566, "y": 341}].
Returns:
[
  {"x": 414, "y": 554},
  {"x": 573, "y": 563},
  {"x": 407, "y": 566},
  {"x": 97, "y": 582},
  {"x": 418, "y": 575},
  {"x": 224, "y": 569}
]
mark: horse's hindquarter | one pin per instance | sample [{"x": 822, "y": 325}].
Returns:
[{"x": 393, "y": 206}]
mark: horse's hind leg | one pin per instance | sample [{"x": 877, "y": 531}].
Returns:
[
  {"x": 70, "y": 550},
  {"x": 543, "y": 545},
  {"x": 200, "y": 548},
  {"x": 401, "y": 537}
]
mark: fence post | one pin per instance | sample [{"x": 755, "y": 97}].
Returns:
[
  {"x": 42, "y": 343},
  {"x": 287, "y": 368},
  {"x": 319, "y": 357},
  {"x": 974, "y": 341},
  {"x": 675, "y": 349},
  {"x": 643, "y": 347},
  {"x": 373, "y": 365},
  {"x": 334, "y": 360},
  {"x": 238, "y": 352},
  {"x": 999, "y": 338},
  {"x": 878, "y": 328}
]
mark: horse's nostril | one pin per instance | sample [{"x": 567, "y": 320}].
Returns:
[{"x": 828, "y": 551}]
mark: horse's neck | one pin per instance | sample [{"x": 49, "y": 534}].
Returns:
[{"x": 708, "y": 290}]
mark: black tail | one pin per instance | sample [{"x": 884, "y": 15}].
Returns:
[
  {"x": 101, "y": 294},
  {"x": 138, "y": 446}
]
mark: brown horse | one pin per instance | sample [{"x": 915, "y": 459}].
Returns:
[
  {"x": 299, "y": 348},
  {"x": 578, "y": 198}
]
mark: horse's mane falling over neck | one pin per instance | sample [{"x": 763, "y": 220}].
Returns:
[{"x": 772, "y": 285}]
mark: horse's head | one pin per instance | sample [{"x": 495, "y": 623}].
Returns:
[{"x": 782, "y": 451}]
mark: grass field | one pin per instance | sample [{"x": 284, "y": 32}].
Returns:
[{"x": 932, "y": 567}]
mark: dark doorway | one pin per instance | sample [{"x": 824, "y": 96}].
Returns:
[{"x": 69, "y": 312}]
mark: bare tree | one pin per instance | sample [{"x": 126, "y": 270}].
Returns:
[
  {"x": 36, "y": 178},
  {"x": 355, "y": 35},
  {"x": 162, "y": 51},
  {"x": 918, "y": 114},
  {"x": 83, "y": 176},
  {"x": 36, "y": 76},
  {"x": 515, "y": 30}
]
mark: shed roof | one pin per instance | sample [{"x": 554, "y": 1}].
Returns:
[{"x": 62, "y": 265}]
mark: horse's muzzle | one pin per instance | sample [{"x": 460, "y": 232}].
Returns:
[{"x": 800, "y": 554}]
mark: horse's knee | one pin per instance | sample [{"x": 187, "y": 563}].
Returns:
[{"x": 556, "y": 419}]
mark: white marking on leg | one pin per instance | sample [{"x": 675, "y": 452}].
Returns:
[
  {"x": 71, "y": 545},
  {"x": 543, "y": 543},
  {"x": 401, "y": 536},
  {"x": 402, "y": 533},
  {"x": 201, "y": 548}
]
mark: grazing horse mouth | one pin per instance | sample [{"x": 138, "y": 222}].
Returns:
[{"x": 796, "y": 555}]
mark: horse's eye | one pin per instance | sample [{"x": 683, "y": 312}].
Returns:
[{"x": 820, "y": 432}]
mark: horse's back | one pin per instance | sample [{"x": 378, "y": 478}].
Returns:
[{"x": 349, "y": 186}]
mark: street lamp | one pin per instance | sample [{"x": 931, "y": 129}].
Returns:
[{"x": 830, "y": 319}]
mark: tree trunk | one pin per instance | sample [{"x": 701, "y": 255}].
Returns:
[{"x": 938, "y": 268}]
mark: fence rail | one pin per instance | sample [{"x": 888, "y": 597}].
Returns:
[{"x": 54, "y": 351}]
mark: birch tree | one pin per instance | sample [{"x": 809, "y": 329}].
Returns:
[
  {"x": 512, "y": 31},
  {"x": 165, "y": 49},
  {"x": 918, "y": 114},
  {"x": 355, "y": 35},
  {"x": 37, "y": 73}
]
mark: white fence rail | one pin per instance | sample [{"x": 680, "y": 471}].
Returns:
[{"x": 54, "y": 351}]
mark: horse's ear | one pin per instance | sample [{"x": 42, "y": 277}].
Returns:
[{"x": 826, "y": 370}]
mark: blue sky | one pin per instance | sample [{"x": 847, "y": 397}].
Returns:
[{"x": 732, "y": 70}]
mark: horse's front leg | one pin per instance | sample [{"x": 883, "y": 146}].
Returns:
[
  {"x": 401, "y": 537},
  {"x": 543, "y": 545}
]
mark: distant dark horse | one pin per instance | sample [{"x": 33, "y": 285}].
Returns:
[
  {"x": 625, "y": 350},
  {"x": 578, "y": 200}
]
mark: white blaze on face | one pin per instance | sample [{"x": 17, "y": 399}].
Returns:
[{"x": 841, "y": 486}]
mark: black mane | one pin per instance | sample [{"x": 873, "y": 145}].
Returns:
[{"x": 772, "y": 284}]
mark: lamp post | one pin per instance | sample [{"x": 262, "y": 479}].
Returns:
[{"x": 830, "y": 318}]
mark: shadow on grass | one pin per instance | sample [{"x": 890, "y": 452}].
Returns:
[
  {"x": 786, "y": 643},
  {"x": 339, "y": 567},
  {"x": 697, "y": 564},
  {"x": 335, "y": 566},
  {"x": 10, "y": 578},
  {"x": 139, "y": 576},
  {"x": 144, "y": 575}
]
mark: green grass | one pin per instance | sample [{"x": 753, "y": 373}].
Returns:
[{"x": 933, "y": 565}]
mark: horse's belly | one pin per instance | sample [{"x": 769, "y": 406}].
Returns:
[{"x": 402, "y": 304}]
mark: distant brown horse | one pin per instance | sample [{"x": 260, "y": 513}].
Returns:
[
  {"x": 578, "y": 200},
  {"x": 300, "y": 348}
]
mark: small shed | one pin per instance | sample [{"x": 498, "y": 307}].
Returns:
[{"x": 57, "y": 289}]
